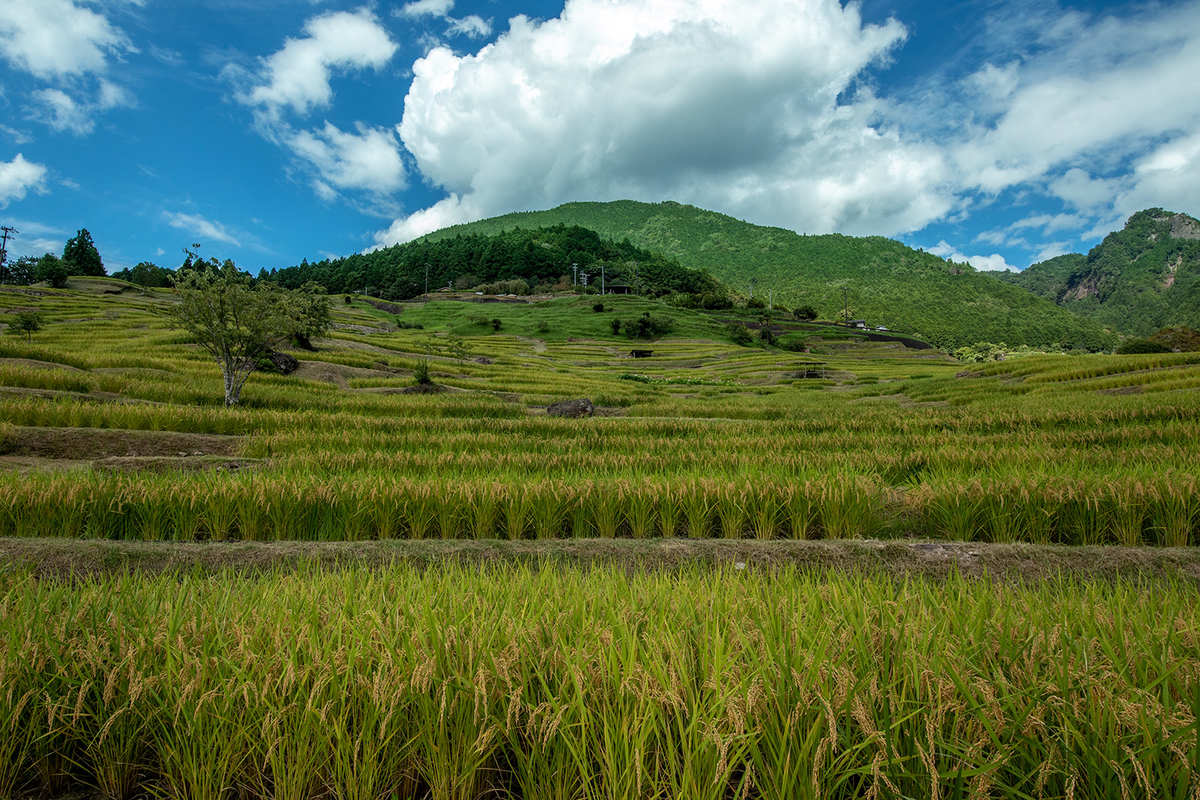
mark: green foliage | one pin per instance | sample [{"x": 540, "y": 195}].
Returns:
[
  {"x": 648, "y": 326},
  {"x": 307, "y": 313},
  {"x": 147, "y": 275},
  {"x": 1180, "y": 339},
  {"x": 907, "y": 290},
  {"x": 738, "y": 333},
  {"x": 766, "y": 335},
  {"x": 52, "y": 270},
  {"x": 20, "y": 272},
  {"x": 755, "y": 302},
  {"x": 598, "y": 308},
  {"x": 517, "y": 261},
  {"x": 26, "y": 322},
  {"x": 421, "y": 373},
  {"x": 804, "y": 313},
  {"x": 1140, "y": 346},
  {"x": 237, "y": 322},
  {"x": 82, "y": 253},
  {"x": 615, "y": 325},
  {"x": 1141, "y": 278}
]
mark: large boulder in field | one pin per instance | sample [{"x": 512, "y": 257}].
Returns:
[{"x": 572, "y": 409}]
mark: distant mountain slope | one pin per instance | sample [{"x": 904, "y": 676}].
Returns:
[
  {"x": 886, "y": 282},
  {"x": 1141, "y": 278}
]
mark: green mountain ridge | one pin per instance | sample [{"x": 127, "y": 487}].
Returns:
[
  {"x": 885, "y": 282},
  {"x": 1141, "y": 278}
]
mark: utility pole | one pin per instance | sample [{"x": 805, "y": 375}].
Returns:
[
  {"x": 770, "y": 298},
  {"x": 584, "y": 278},
  {"x": 575, "y": 280},
  {"x": 601, "y": 279},
  {"x": 427, "y": 280},
  {"x": 4, "y": 249},
  {"x": 751, "y": 290},
  {"x": 846, "y": 303}
]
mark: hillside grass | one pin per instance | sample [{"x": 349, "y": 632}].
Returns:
[
  {"x": 886, "y": 282},
  {"x": 906, "y": 579},
  {"x": 703, "y": 439}
]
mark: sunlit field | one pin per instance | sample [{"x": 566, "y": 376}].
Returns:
[
  {"x": 534, "y": 679},
  {"x": 702, "y": 439}
]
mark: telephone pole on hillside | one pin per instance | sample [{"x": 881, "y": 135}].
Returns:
[
  {"x": 846, "y": 303},
  {"x": 4, "y": 249}
]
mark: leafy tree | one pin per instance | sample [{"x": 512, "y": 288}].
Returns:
[
  {"x": 804, "y": 313},
  {"x": 234, "y": 321},
  {"x": 20, "y": 272},
  {"x": 82, "y": 253},
  {"x": 308, "y": 315},
  {"x": 1139, "y": 346},
  {"x": 26, "y": 322},
  {"x": 147, "y": 275},
  {"x": 739, "y": 333},
  {"x": 1180, "y": 338},
  {"x": 51, "y": 269},
  {"x": 766, "y": 335}
]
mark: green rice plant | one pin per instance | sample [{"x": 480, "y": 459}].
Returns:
[
  {"x": 606, "y": 511},
  {"x": 641, "y": 502},
  {"x": 1174, "y": 512},
  {"x": 798, "y": 509},
  {"x": 850, "y": 507},
  {"x": 483, "y": 510},
  {"x": 514, "y": 512},
  {"x": 448, "y": 510},
  {"x": 956, "y": 511},
  {"x": 731, "y": 509},
  {"x": 697, "y": 503},
  {"x": 549, "y": 506},
  {"x": 420, "y": 510},
  {"x": 765, "y": 510},
  {"x": 1126, "y": 513},
  {"x": 384, "y": 509},
  {"x": 670, "y": 510}
]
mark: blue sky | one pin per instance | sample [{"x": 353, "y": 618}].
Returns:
[{"x": 270, "y": 131}]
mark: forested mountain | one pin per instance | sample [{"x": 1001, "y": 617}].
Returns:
[
  {"x": 886, "y": 282},
  {"x": 537, "y": 256},
  {"x": 1139, "y": 279}
]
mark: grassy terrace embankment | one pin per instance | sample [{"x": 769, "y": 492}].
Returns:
[
  {"x": 722, "y": 441},
  {"x": 615, "y": 648}
]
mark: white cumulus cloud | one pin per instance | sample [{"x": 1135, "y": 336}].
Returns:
[
  {"x": 427, "y": 8},
  {"x": 56, "y": 38},
  {"x": 18, "y": 177},
  {"x": 368, "y": 159},
  {"x": 68, "y": 45},
  {"x": 728, "y": 105},
  {"x": 993, "y": 263},
  {"x": 298, "y": 75}
]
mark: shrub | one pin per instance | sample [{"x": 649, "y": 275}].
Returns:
[
  {"x": 1139, "y": 346},
  {"x": 647, "y": 326},
  {"x": 496, "y": 323},
  {"x": 766, "y": 335},
  {"x": 804, "y": 313},
  {"x": 755, "y": 302},
  {"x": 543, "y": 326},
  {"x": 421, "y": 373},
  {"x": 739, "y": 333},
  {"x": 615, "y": 325},
  {"x": 598, "y": 308},
  {"x": 26, "y": 322}
]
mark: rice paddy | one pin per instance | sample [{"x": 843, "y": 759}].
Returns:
[{"x": 567, "y": 682}]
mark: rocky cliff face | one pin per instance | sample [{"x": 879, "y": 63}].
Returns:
[{"x": 1141, "y": 278}]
